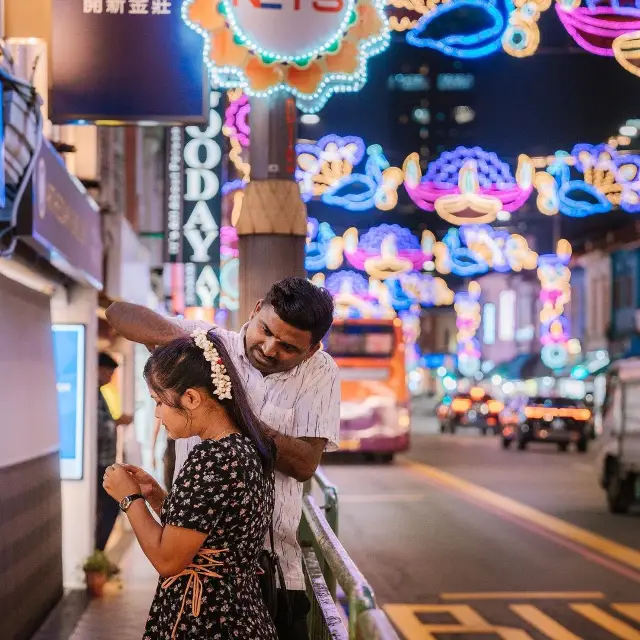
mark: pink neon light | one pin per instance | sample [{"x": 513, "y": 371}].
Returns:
[
  {"x": 596, "y": 23},
  {"x": 358, "y": 257},
  {"x": 229, "y": 242},
  {"x": 427, "y": 193},
  {"x": 235, "y": 120}
]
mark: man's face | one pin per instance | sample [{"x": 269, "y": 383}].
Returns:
[
  {"x": 104, "y": 375},
  {"x": 272, "y": 345}
]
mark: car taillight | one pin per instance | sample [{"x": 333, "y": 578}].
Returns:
[
  {"x": 494, "y": 406},
  {"x": 461, "y": 405}
]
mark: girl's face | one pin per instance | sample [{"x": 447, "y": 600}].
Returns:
[{"x": 174, "y": 421}]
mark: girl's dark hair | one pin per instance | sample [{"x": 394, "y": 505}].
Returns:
[{"x": 181, "y": 365}]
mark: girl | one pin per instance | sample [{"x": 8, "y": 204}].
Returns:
[{"x": 215, "y": 520}]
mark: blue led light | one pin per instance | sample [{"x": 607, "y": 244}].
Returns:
[
  {"x": 475, "y": 45},
  {"x": 580, "y": 208}
]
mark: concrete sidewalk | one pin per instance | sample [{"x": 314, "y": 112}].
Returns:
[{"x": 122, "y": 613}]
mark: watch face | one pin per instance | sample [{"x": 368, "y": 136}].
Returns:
[{"x": 125, "y": 504}]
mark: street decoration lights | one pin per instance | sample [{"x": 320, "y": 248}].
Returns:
[
  {"x": 468, "y": 318},
  {"x": 310, "y": 50},
  {"x": 325, "y": 171},
  {"x": 608, "y": 179},
  {"x": 324, "y": 250},
  {"x": 555, "y": 293},
  {"x": 468, "y": 185},
  {"x": 385, "y": 251}
]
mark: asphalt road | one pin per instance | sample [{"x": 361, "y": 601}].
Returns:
[{"x": 461, "y": 539}]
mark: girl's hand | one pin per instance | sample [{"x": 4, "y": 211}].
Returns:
[
  {"x": 148, "y": 484},
  {"x": 119, "y": 483}
]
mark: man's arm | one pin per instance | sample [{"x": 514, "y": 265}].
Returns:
[
  {"x": 317, "y": 422},
  {"x": 297, "y": 457},
  {"x": 139, "y": 324}
]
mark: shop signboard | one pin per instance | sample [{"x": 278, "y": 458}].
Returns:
[
  {"x": 69, "y": 357},
  {"x": 193, "y": 212},
  {"x": 115, "y": 61},
  {"x": 60, "y": 221}
]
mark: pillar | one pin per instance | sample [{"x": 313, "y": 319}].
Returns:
[{"x": 272, "y": 226}]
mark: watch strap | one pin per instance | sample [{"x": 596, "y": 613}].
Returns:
[{"x": 127, "y": 501}]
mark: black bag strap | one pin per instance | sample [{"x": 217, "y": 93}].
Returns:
[{"x": 283, "y": 585}]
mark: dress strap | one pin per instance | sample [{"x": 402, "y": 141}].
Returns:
[{"x": 194, "y": 583}]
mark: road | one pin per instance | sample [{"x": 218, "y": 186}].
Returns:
[{"x": 462, "y": 539}]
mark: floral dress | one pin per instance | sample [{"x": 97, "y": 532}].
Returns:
[{"x": 221, "y": 491}]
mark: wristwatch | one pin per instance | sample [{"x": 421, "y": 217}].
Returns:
[{"x": 125, "y": 503}]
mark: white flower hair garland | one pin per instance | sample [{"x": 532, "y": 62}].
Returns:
[{"x": 219, "y": 376}]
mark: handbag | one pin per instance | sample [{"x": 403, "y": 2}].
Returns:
[{"x": 269, "y": 574}]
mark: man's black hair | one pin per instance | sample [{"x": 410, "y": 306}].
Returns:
[
  {"x": 105, "y": 360},
  {"x": 302, "y": 305}
]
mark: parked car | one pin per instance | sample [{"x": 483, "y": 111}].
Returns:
[
  {"x": 618, "y": 461},
  {"x": 560, "y": 421},
  {"x": 474, "y": 409}
]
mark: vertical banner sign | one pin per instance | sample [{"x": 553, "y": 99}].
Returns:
[{"x": 194, "y": 209}]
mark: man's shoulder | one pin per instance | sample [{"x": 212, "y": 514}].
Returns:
[{"x": 322, "y": 364}]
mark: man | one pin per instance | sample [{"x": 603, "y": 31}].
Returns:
[
  {"x": 293, "y": 387},
  {"x": 107, "y": 508}
]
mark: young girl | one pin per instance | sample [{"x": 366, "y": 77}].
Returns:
[{"x": 216, "y": 518}]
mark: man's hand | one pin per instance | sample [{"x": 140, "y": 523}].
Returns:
[
  {"x": 124, "y": 420},
  {"x": 297, "y": 457}
]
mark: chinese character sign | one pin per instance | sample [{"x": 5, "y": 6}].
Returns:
[{"x": 126, "y": 61}]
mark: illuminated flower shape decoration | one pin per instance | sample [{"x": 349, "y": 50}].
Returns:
[
  {"x": 310, "y": 50},
  {"x": 426, "y": 290},
  {"x": 468, "y": 185},
  {"x": 615, "y": 175},
  {"x": 467, "y": 308},
  {"x": 597, "y": 25},
  {"x": 404, "y": 14},
  {"x": 472, "y": 43},
  {"x": 385, "y": 251},
  {"x": 328, "y": 161},
  {"x": 451, "y": 257},
  {"x": 500, "y": 250},
  {"x": 352, "y": 296},
  {"x": 377, "y": 187},
  {"x": 557, "y": 192},
  {"x": 323, "y": 249}
]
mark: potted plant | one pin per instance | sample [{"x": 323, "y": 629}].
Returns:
[{"x": 98, "y": 569}]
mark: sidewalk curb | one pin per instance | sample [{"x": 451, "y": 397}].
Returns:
[{"x": 63, "y": 619}]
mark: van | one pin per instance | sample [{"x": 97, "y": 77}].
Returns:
[{"x": 618, "y": 462}]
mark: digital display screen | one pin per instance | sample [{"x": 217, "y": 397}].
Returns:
[
  {"x": 69, "y": 358},
  {"x": 360, "y": 341}
]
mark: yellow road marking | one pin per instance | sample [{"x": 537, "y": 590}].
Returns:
[
  {"x": 630, "y": 610},
  {"x": 604, "y": 546},
  {"x": 542, "y": 622},
  {"x": 603, "y": 619},
  {"x": 526, "y": 595},
  {"x": 468, "y": 622}
]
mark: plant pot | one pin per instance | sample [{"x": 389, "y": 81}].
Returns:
[{"x": 95, "y": 583}]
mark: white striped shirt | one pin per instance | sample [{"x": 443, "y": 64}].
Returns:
[{"x": 301, "y": 403}]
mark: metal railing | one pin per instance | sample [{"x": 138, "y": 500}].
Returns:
[{"x": 328, "y": 565}]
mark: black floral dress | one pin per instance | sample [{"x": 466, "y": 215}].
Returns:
[{"x": 222, "y": 491}]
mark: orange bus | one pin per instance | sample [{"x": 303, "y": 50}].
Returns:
[{"x": 374, "y": 411}]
